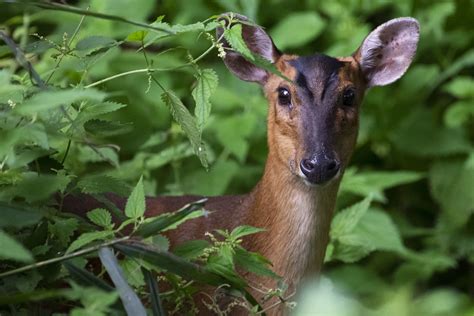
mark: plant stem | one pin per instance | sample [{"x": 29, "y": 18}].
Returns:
[
  {"x": 74, "y": 10},
  {"x": 146, "y": 70},
  {"x": 63, "y": 258}
]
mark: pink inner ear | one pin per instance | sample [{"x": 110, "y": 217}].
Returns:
[{"x": 388, "y": 51}]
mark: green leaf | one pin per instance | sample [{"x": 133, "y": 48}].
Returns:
[
  {"x": 461, "y": 87},
  {"x": 156, "y": 225},
  {"x": 410, "y": 137},
  {"x": 87, "y": 238},
  {"x": 63, "y": 229},
  {"x": 137, "y": 36},
  {"x": 297, "y": 29},
  {"x": 207, "y": 82},
  {"x": 133, "y": 272},
  {"x": 375, "y": 182},
  {"x": 452, "y": 186},
  {"x": 459, "y": 113},
  {"x": 167, "y": 155},
  {"x": 12, "y": 249},
  {"x": 187, "y": 122},
  {"x": 135, "y": 206},
  {"x": 346, "y": 220},
  {"x": 191, "y": 249},
  {"x": 96, "y": 110},
  {"x": 253, "y": 262},
  {"x": 18, "y": 216},
  {"x": 244, "y": 230},
  {"x": 171, "y": 263},
  {"x": 233, "y": 36},
  {"x": 102, "y": 183},
  {"x": 100, "y": 217},
  {"x": 46, "y": 100},
  {"x": 374, "y": 231},
  {"x": 93, "y": 43}
]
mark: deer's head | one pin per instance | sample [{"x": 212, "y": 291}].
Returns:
[{"x": 313, "y": 118}]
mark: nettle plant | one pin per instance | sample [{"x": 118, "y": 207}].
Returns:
[
  {"x": 53, "y": 128},
  {"x": 50, "y": 131}
]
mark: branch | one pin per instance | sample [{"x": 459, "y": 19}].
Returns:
[
  {"x": 63, "y": 258},
  {"x": 74, "y": 10},
  {"x": 21, "y": 59}
]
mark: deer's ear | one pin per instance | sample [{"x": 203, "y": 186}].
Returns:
[
  {"x": 388, "y": 51},
  {"x": 259, "y": 43}
]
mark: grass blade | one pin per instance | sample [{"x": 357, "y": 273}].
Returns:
[
  {"x": 130, "y": 300},
  {"x": 156, "y": 305},
  {"x": 162, "y": 222}
]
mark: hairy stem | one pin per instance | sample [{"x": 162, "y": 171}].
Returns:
[{"x": 78, "y": 253}]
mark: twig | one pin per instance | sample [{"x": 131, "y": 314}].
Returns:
[
  {"x": 74, "y": 10},
  {"x": 65, "y": 257},
  {"x": 73, "y": 36},
  {"x": 21, "y": 59}
]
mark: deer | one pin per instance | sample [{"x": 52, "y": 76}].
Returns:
[{"x": 312, "y": 128}]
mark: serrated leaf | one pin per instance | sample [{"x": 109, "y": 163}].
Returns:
[
  {"x": 102, "y": 183},
  {"x": 94, "y": 43},
  {"x": 137, "y": 36},
  {"x": 207, "y": 81},
  {"x": 187, "y": 122},
  {"x": 87, "y": 238},
  {"x": 12, "y": 249},
  {"x": 34, "y": 187},
  {"x": 133, "y": 272},
  {"x": 244, "y": 230},
  {"x": 63, "y": 229},
  {"x": 233, "y": 36},
  {"x": 135, "y": 206},
  {"x": 253, "y": 262},
  {"x": 179, "y": 28},
  {"x": 345, "y": 220},
  {"x": 103, "y": 128},
  {"x": 95, "y": 110},
  {"x": 374, "y": 231},
  {"x": 170, "y": 262},
  {"x": 51, "y": 99},
  {"x": 191, "y": 249},
  {"x": 100, "y": 217}
]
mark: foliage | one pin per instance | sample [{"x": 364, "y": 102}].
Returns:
[{"x": 135, "y": 100}]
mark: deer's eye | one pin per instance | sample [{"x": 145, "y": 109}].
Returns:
[
  {"x": 348, "y": 97},
  {"x": 284, "y": 97}
]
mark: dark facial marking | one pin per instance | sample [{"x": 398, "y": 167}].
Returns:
[
  {"x": 317, "y": 78},
  {"x": 316, "y": 72}
]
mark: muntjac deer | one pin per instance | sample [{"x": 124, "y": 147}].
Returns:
[{"x": 312, "y": 130}]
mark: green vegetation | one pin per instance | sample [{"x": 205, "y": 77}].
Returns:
[{"x": 131, "y": 97}]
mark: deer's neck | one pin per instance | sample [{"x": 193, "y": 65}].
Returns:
[{"x": 296, "y": 218}]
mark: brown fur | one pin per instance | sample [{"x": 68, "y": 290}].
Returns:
[{"x": 296, "y": 216}]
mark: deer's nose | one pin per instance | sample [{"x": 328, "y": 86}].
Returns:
[{"x": 319, "y": 169}]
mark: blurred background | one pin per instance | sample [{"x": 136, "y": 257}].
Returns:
[{"x": 412, "y": 252}]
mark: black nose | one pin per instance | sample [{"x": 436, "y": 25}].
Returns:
[{"x": 319, "y": 169}]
